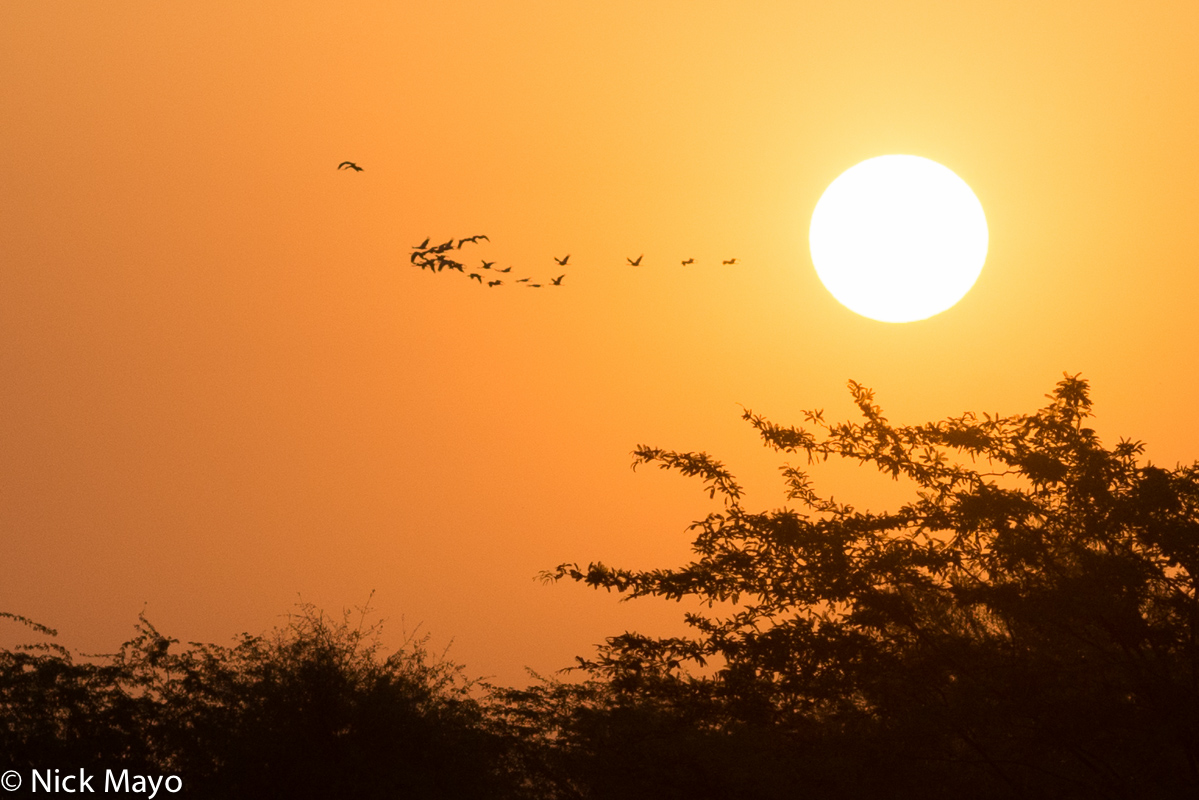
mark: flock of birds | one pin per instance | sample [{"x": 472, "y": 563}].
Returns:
[{"x": 437, "y": 258}]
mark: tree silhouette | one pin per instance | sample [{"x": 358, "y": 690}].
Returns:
[{"x": 1025, "y": 626}]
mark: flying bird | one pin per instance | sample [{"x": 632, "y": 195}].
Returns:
[
  {"x": 494, "y": 283},
  {"x": 522, "y": 280},
  {"x": 636, "y": 263},
  {"x": 689, "y": 261},
  {"x": 422, "y": 245},
  {"x": 562, "y": 261},
  {"x": 471, "y": 239},
  {"x": 534, "y": 285},
  {"x": 349, "y": 164},
  {"x": 730, "y": 261},
  {"x": 558, "y": 280},
  {"x": 487, "y": 264},
  {"x": 505, "y": 269},
  {"x": 477, "y": 277}
]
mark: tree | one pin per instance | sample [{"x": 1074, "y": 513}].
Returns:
[{"x": 1026, "y": 625}]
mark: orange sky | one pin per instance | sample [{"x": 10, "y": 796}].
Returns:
[{"x": 223, "y": 387}]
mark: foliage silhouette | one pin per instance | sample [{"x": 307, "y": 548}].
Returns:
[
  {"x": 55, "y": 710},
  {"x": 1026, "y": 626},
  {"x": 315, "y": 710}
]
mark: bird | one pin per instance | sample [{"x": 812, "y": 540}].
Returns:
[
  {"x": 730, "y": 261},
  {"x": 494, "y": 283},
  {"x": 449, "y": 263},
  {"x": 477, "y": 277},
  {"x": 471, "y": 239},
  {"x": 636, "y": 263},
  {"x": 522, "y": 280},
  {"x": 349, "y": 164},
  {"x": 422, "y": 245},
  {"x": 487, "y": 264},
  {"x": 534, "y": 285},
  {"x": 505, "y": 269},
  {"x": 558, "y": 280},
  {"x": 689, "y": 261},
  {"x": 562, "y": 261}
]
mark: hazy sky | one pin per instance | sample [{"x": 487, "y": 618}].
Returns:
[{"x": 223, "y": 387}]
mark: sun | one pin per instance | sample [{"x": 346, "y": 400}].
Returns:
[{"x": 898, "y": 238}]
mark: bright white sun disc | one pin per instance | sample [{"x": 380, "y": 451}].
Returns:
[{"x": 898, "y": 238}]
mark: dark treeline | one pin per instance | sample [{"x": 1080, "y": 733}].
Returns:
[{"x": 1025, "y": 627}]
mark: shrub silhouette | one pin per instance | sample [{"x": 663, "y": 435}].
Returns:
[
  {"x": 1024, "y": 627},
  {"x": 55, "y": 711},
  {"x": 316, "y": 710}
]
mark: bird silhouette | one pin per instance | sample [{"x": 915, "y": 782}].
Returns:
[
  {"x": 349, "y": 164},
  {"x": 689, "y": 261},
  {"x": 523, "y": 280},
  {"x": 422, "y": 245},
  {"x": 471, "y": 239},
  {"x": 562, "y": 261},
  {"x": 487, "y": 264},
  {"x": 494, "y": 283},
  {"x": 505, "y": 269},
  {"x": 558, "y": 280},
  {"x": 730, "y": 261},
  {"x": 636, "y": 263},
  {"x": 477, "y": 277},
  {"x": 534, "y": 285}
]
